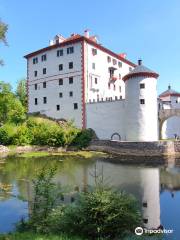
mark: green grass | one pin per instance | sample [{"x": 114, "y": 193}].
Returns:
[
  {"x": 33, "y": 236},
  {"x": 34, "y": 154},
  {"x": 84, "y": 154}
]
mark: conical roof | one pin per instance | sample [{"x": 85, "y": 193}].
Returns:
[
  {"x": 141, "y": 70},
  {"x": 169, "y": 92}
]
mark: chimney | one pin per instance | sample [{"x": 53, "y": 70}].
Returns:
[
  {"x": 86, "y": 33},
  {"x": 123, "y": 55},
  {"x": 169, "y": 87},
  {"x": 139, "y": 62}
]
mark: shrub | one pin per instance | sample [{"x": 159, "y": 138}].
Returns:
[
  {"x": 102, "y": 214},
  {"x": 22, "y": 136},
  {"x": 46, "y": 193},
  {"x": 83, "y": 138},
  {"x": 7, "y": 132}
]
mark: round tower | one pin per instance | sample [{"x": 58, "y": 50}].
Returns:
[{"x": 141, "y": 113}]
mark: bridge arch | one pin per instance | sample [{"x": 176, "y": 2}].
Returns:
[
  {"x": 165, "y": 114},
  {"x": 114, "y": 135}
]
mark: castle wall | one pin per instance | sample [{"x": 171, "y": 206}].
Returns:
[
  {"x": 53, "y": 89},
  {"x": 106, "y": 118}
]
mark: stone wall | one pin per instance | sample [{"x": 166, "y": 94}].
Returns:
[{"x": 159, "y": 148}]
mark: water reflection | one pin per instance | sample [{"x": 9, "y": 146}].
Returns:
[{"x": 148, "y": 184}]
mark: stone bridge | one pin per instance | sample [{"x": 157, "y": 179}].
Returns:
[{"x": 163, "y": 115}]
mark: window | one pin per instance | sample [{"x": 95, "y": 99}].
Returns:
[
  {"x": 114, "y": 61},
  {"x": 111, "y": 72},
  {"x": 60, "y": 67},
  {"x": 58, "y": 107},
  {"x": 95, "y": 80},
  {"x": 70, "y": 50},
  {"x": 59, "y": 52},
  {"x": 35, "y": 86},
  {"x": 120, "y": 89},
  {"x": 120, "y": 97},
  {"x": 43, "y": 58},
  {"x": 35, "y": 73},
  {"x": 145, "y": 220},
  {"x": 35, "y": 60},
  {"x": 60, "y": 94},
  {"x": 119, "y": 76},
  {"x": 60, "y": 81},
  {"x": 36, "y": 101},
  {"x": 108, "y": 59},
  {"x": 94, "y": 51},
  {"x": 142, "y": 101},
  {"x": 93, "y": 66},
  {"x": 44, "y": 84},
  {"x": 75, "y": 106},
  {"x": 119, "y": 64},
  {"x": 70, "y": 65},
  {"x": 130, "y": 69},
  {"x": 44, "y": 100},
  {"x": 71, "y": 94},
  {"x": 142, "y": 85},
  {"x": 44, "y": 70},
  {"x": 109, "y": 86},
  {"x": 71, "y": 80},
  {"x": 114, "y": 87},
  {"x": 145, "y": 204}
]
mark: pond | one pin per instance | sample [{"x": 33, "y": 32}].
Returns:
[{"x": 157, "y": 188}]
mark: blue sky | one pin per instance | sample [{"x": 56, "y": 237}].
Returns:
[{"x": 146, "y": 29}]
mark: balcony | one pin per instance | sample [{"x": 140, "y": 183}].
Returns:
[{"x": 113, "y": 79}]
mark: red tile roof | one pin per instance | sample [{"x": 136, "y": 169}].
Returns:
[{"x": 78, "y": 38}]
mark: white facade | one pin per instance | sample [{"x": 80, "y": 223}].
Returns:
[
  {"x": 56, "y": 94},
  {"x": 141, "y": 118},
  {"x": 106, "y": 118},
  {"x": 100, "y": 85},
  {"x": 99, "y": 97}
]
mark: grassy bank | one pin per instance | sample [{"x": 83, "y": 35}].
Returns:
[{"x": 24, "y": 152}]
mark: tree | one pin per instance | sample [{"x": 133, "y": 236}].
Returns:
[
  {"x": 3, "y": 31},
  {"x": 21, "y": 92},
  {"x": 11, "y": 109}
]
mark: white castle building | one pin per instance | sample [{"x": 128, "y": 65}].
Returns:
[{"x": 78, "y": 79}]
